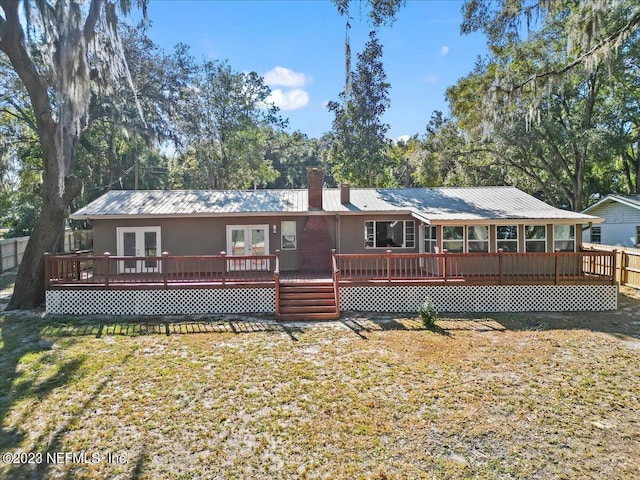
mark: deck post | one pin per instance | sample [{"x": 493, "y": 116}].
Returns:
[
  {"x": 336, "y": 279},
  {"x": 276, "y": 281},
  {"x": 556, "y": 257},
  {"x": 106, "y": 270},
  {"x": 165, "y": 270},
  {"x": 500, "y": 271},
  {"x": 224, "y": 266},
  {"x": 78, "y": 271},
  {"x": 47, "y": 270},
  {"x": 389, "y": 266},
  {"x": 444, "y": 264},
  {"x": 614, "y": 272}
]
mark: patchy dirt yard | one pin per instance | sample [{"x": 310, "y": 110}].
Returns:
[{"x": 536, "y": 396}]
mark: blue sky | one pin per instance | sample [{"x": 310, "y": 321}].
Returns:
[{"x": 298, "y": 46}]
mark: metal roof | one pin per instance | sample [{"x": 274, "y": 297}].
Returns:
[
  {"x": 434, "y": 204},
  {"x": 632, "y": 200}
]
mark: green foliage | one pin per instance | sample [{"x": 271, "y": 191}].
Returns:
[
  {"x": 358, "y": 153},
  {"x": 560, "y": 144},
  {"x": 428, "y": 314},
  {"x": 227, "y": 128}
]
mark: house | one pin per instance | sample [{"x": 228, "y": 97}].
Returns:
[
  {"x": 418, "y": 242},
  {"x": 620, "y": 225}
]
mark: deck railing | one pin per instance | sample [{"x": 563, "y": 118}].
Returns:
[
  {"x": 105, "y": 271},
  {"x": 499, "y": 268},
  {"x": 84, "y": 269}
]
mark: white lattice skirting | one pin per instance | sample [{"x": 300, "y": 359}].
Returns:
[
  {"x": 504, "y": 298},
  {"x": 161, "y": 302},
  {"x": 493, "y": 298}
]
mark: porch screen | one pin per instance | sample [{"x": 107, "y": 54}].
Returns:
[
  {"x": 453, "y": 239},
  {"x": 478, "y": 238},
  {"x": 507, "y": 237},
  {"x": 564, "y": 238},
  {"x": 430, "y": 239},
  {"x": 535, "y": 238}
]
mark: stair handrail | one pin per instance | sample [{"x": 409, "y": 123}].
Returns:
[
  {"x": 336, "y": 280},
  {"x": 276, "y": 281}
]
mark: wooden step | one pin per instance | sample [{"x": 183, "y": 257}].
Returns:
[
  {"x": 306, "y": 296},
  {"x": 307, "y": 316},
  {"x": 308, "y": 309},
  {"x": 307, "y": 301},
  {"x": 306, "y": 288}
]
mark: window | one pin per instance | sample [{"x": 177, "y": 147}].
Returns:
[
  {"x": 397, "y": 234},
  {"x": 289, "y": 238},
  {"x": 637, "y": 235},
  {"x": 596, "y": 234},
  {"x": 430, "y": 239},
  {"x": 564, "y": 238},
  {"x": 477, "y": 238},
  {"x": 507, "y": 238},
  {"x": 535, "y": 238},
  {"x": 453, "y": 239}
]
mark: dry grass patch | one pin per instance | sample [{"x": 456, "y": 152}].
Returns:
[{"x": 361, "y": 398}]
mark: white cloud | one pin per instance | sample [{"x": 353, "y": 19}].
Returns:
[
  {"x": 444, "y": 51},
  {"x": 431, "y": 79},
  {"x": 285, "y": 77},
  {"x": 403, "y": 138},
  {"x": 290, "y": 100}
]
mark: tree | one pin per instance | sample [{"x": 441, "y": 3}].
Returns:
[
  {"x": 358, "y": 153},
  {"x": 594, "y": 33},
  {"x": 65, "y": 48},
  {"x": 558, "y": 143},
  {"x": 226, "y": 129},
  {"x": 290, "y": 155},
  {"x": 596, "y": 29},
  {"x": 380, "y": 12},
  {"x": 119, "y": 148}
]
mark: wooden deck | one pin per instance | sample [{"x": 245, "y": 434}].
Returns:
[
  {"x": 317, "y": 295},
  {"x": 223, "y": 271}
]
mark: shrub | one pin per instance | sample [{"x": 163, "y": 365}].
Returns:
[{"x": 428, "y": 313}]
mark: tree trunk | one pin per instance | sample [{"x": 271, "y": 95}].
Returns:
[{"x": 48, "y": 234}]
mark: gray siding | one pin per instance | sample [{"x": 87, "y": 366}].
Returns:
[
  {"x": 619, "y": 226},
  {"x": 199, "y": 236},
  {"x": 352, "y": 233}
]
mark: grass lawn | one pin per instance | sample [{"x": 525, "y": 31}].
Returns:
[{"x": 368, "y": 397}]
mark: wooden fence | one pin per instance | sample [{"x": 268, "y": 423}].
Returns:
[
  {"x": 12, "y": 249},
  {"x": 627, "y": 262}
]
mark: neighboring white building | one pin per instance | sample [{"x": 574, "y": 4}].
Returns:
[{"x": 621, "y": 221}]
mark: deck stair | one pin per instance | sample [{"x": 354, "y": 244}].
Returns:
[{"x": 308, "y": 301}]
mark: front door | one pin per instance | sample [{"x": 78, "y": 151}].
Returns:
[
  {"x": 138, "y": 242},
  {"x": 248, "y": 241}
]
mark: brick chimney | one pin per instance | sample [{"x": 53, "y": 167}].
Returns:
[
  {"x": 314, "y": 184},
  {"x": 345, "y": 193}
]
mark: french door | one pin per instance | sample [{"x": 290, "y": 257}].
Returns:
[
  {"x": 139, "y": 242},
  {"x": 248, "y": 241}
]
